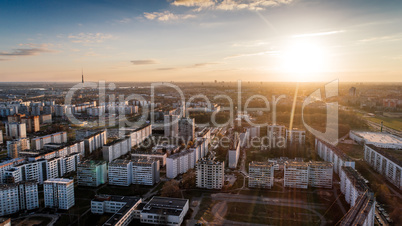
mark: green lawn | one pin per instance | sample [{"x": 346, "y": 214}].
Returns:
[{"x": 393, "y": 123}]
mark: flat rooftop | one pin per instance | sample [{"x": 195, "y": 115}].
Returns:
[
  {"x": 165, "y": 206},
  {"x": 378, "y": 137}
]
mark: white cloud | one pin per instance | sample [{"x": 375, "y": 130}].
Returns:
[
  {"x": 143, "y": 62},
  {"x": 90, "y": 37},
  {"x": 318, "y": 34},
  {"x": 230, "y": 4},
  {"x": 166, "y": 16}
]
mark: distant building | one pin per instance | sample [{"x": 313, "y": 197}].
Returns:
[
  {"x": 59, "y": 193},
  {"x": 18, "y": 196},
  {"x": 234, "y": 151},
  {"x": 155, "y": 156},
  {"x": 1, "y": 136},
  {"x": 92, "y": 173},
  {"x": 295, "y": 136},
  {"x": 116, "y": 149},
  {"x": 45, "y": 119},
  {"x": 187, "y": 129},
  {"x": 261, "y": 175},
  {"x": 171, "y": 125},
  {"x": 32, "y": 123},
  {"x": 16, "y": 130},
  {"x": 38, "y": 143},
  {"x": 210, "y": 174},
  {"x": 180, "y": 163},
  {"x": 352, "y": 91},
  {"x": 14, "y": 147},
  {"x": 95, "y": 141}
]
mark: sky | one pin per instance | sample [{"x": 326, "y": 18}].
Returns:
[{"x": 201, "y": 40}]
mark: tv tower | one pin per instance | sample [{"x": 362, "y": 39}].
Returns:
[{"x": 83, "y": 76}]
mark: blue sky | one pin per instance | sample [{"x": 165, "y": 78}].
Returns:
[{"x": 201, "y": 40}]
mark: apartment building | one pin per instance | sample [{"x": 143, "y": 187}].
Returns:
[
  {"x": 59, "y": 193},
  {"x": 38, "y": 143},
  {"x": 16, "y": 130},
  {"x": 145, "y": 171},
  {"x": 32, "y": 123},
  {"x": 120, "y": 172},
  {"x": 116, "y": 149},
  {"x": 92, "y": 173},
  {"x": 95, "y": 141},
  {"x": 295, "y": 136},
  {"x": 382, "y": 161},
  {"x": 171, "y": 125},
  {"x": 261, "y": 175},
  {"x": 187, "y": 129},
  {"x": 180, "y": 163},
  {"x": 333, "y": 154},
  {"x": 154, "y": 156},
  {"x": 18, "y": 196},
  {"x": 296, "y": 175},
  {"x": 234, "y": 151},
  {"x": 210, "y": 174},
  {"x": 14, "y": 147},
  {"x": 320, "y": 174}
]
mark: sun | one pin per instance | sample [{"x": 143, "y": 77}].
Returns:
[{"x": 304, "y": 59}]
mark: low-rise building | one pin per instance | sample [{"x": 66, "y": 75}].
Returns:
[{"x": 164, "y": 211}]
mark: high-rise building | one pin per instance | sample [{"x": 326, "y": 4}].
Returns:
[
  {"x": 92, "y": 173},
  {"x": 38, "y": 143},
  {"x": 261, "y": 175},
  {"x": 16, "y": 130},
  {"x": 18, "y": 196},
  {"x": 32, "y": 123},
  {"x": 234, "y": 151},
  {"x": 210, "y": 174},
  {"x": 59, "y": 193},
  {"x": 1, "y": 136},
  {"x": 171, "y": 125},
  {"x": 120, "y": 172},
  {"x": 180, "y": 163},
  {"x": 187, "y": 129},
  {"x": 14, "y": 147},
  {"x": 320, "y": 174},
  {"x": 145, "y": 171},
  {"x": 277, "y": 135},
  {"x": 296, "y": 175}
]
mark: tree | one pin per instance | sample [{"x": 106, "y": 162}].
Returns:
[
  {"x": 171, "y": 189},
  {"x": 188, "y": 180}
]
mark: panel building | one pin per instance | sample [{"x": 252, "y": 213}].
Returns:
[
  {"x": 18, "y": 196},
  {"x": 234, "y": 151},
  {"x": 92, "y": 173},
  {"x": 333, "y": 154},
  {"x": 296, "y": 175},
  {"x": 16, "y": 130},
  {"x": 59, "y": 193},
  {"x": 145, "y": 171},
  {"x": 261, "y": 175},
  {"x": 120, "y": 172},
  {"x": 210, "y": 174},
  {"x": 187, "y": 129},
  {"x": 320, "y": 174},
  {"x": 14, "y": 147}
]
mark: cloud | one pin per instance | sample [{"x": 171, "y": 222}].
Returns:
[
  {"x": 168, "y": 69},
  {"x": 395, "y": 37},
  {"x": 89, "y": 37},
  {"x": 166, "y": 16},
  {"x": 272, "y": 53},
  {"x": 318, "y": 34},
  {"x": 230, "y": 4},
  {"x": 124, "y": 21},
  {"x": 34, "y": 49},
  {"x": 143, "y": 62},
  {"x": 202, "y": 65}
]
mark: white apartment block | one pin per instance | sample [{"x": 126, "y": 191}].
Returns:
[
  {"x": 16, "y": 130},
  {"x": 32, "y": 171},
  {"x": 116, "y": 149},
  {"x": 38, "y": 143},
  {"x": 120, "y": 172},
  {"x": 384, "y": 163},
  {"x": 165, "y": 211},
  {"x": 261, "y": 175},
  {"x": 359, "y": 196},
  {"x": 296, "y": 175},
  {"x": 234, "y": 151},
  {"x": 7, "y": 165},
  {"x": 210, "y": 174},
  {"x": 92, "y": 173},
  {"x": 1, "y": 136},
  {"x": 295, "y": 136},
  {"x": 139, "y": 135},
  {"x": 330, "y": 153},
  {"x": 18, "y": 196},
  {"x": 145, "y": 171},
  {"x": 378, "y": 139},
  {"x": 59, "y": 193},
  {"x": 95, "y": 141},
  {"x": 320, "y": 174},
  {"x": 180, "y": 163}
]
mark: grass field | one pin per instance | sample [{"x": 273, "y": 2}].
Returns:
[
  {"x": 352, "y": 150},
  {"x": 393, "y": 123}
]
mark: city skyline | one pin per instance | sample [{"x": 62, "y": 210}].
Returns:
[{"x": 201, "y": 40}]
